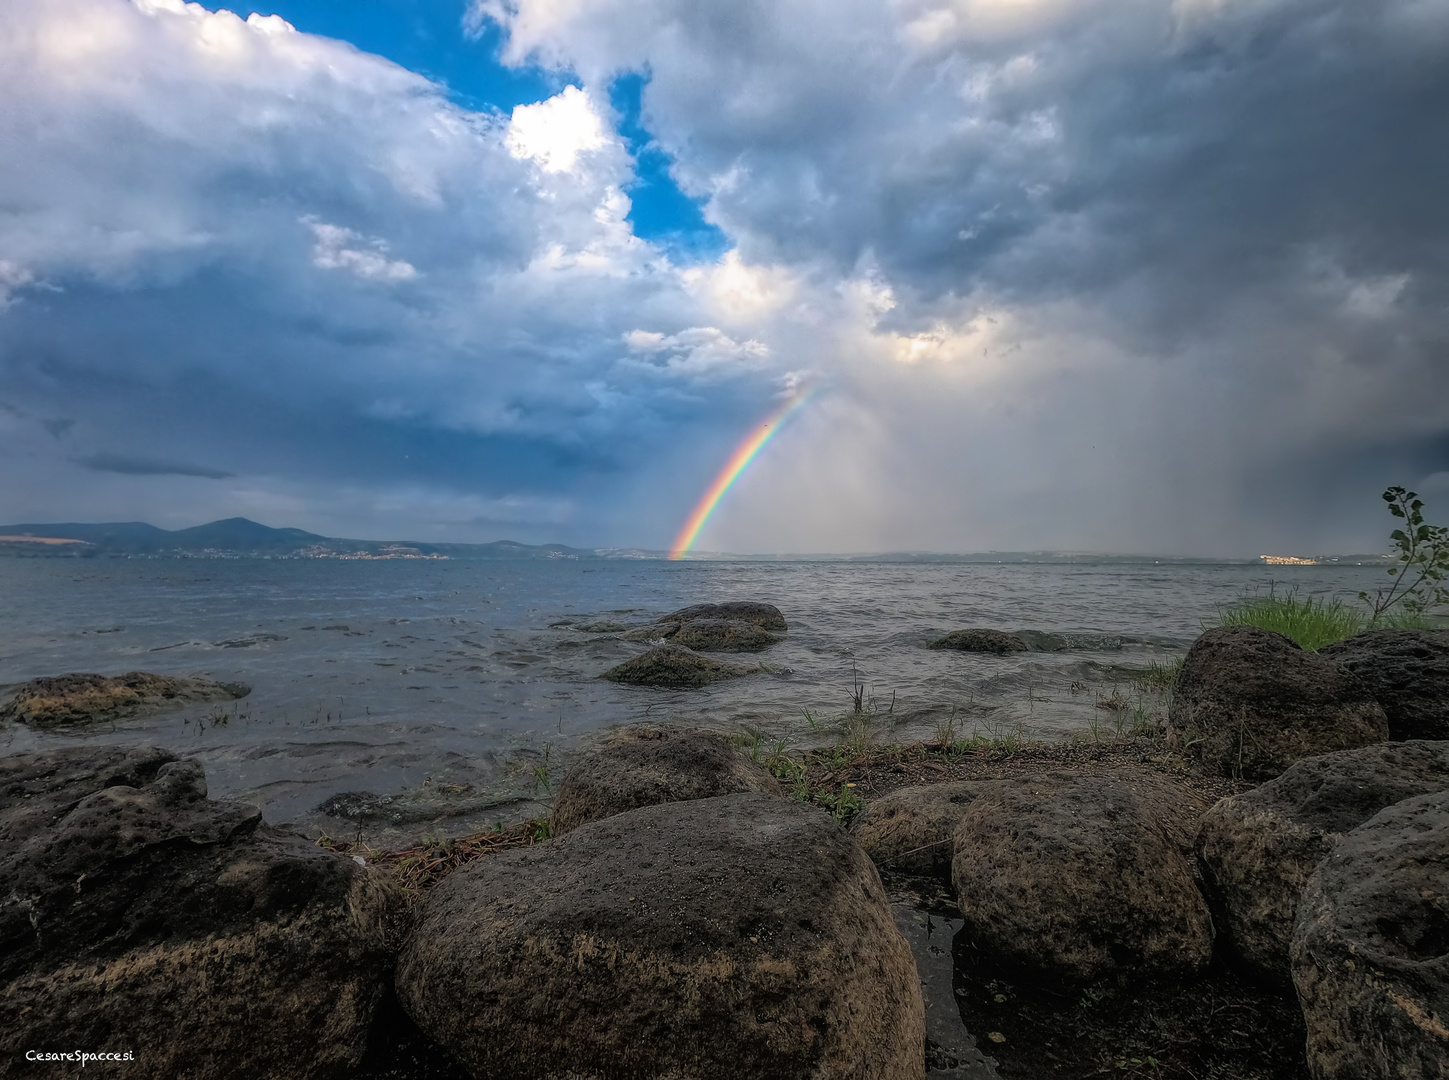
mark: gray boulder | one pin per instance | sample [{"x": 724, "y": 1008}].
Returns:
[
  {"x": 644, "y": 764},
  {"x": 982, "y": 640},
  {"x": 79, "y": 699},
  {"x": 1407, "y": 671},
  {"x": 1259, "y": 848},
  {"x": 911, "y": 830},
  {"x": 743, "y": 935},
  {"x": 138, "y": 915},
  {"x": 1081, "y": 878},
  {"x": 672, "y": 666},
  {"x": 1249, "y": 702},
  {"x": 1370, "y": 948}
]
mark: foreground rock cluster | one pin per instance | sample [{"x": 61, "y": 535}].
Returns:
[
  {"x": 140, "y": 915},
  {"x": 688, "y": 920}
]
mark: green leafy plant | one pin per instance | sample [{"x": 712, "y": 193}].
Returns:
[
  {"x": 844, "y": 806},
  {"x": 1422, "y": 551}
]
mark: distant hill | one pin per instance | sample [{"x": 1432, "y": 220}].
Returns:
[{"x": 242, "y": 538}]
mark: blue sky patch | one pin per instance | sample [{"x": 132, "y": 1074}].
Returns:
[{"x": 662, "y": 214}]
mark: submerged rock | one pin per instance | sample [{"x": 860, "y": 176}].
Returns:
[
  {"x": 1259, "y": 848},
  {"x": 1075, "y": 877},
  {"x": 90, "y": 699},
  {"x": 429, "y": 802},
  {"x": 672, "y": 666},
  {"x": 911, "y": 830},
  {"x": 1407, "y": 671},
  {"x": 142, "y": 916},
  {"x": 765, "y": 616},
  {"x": 981, "y": 640},
  {"x": 654, "y": 632},
  {"x": 743, "y": 935},
  {"x": 1049, "y": 641},
  {"x": 1370, "y": 949},
  {"x": 605, "y": 626},
  {"x": 722, "y": 635},
  {"x": 645, "y": 764},
  {"x": 1249, "y": 702}
]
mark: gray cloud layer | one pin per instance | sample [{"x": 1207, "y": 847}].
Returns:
[{"x": 1141, "y": 275}]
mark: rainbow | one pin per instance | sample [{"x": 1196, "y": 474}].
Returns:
[{"x": 743, "y": 455}]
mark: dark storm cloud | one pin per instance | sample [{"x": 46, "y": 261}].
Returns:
[
  {"x": 129, "y": 466},
  {"x": 1242, "y": 199},
  {"x": 1143, "y": 274}
]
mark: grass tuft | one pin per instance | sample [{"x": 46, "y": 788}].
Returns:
[{"x": 1312, "y": 623}]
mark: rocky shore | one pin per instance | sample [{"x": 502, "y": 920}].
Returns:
[{"x": 1260, "y": 891}]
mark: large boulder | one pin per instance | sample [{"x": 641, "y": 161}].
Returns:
[
  {"x": 765, "y": 616},
  {"x": 722, "y": 635},
  {"x": 78, "y": 699},
  {"x": 646, "y": 764},
  {"x": 672, "y": 666},
  {"x": 1407, "y": 671},
  {"x": 743, "y": 935},
  {"x": 981, "y": 640},
  {"x": 911, "y": 830},
  {"x": 140, "y": 916},
  {"x": 1249, "y": 703},
  {"x": 1077, "y": 877},
  {"x": 1259, "y": 848},
  {"x": 1371, "y": 948}
]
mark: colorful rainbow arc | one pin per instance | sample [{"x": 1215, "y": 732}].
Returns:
[{"x": 743, "y": 455}]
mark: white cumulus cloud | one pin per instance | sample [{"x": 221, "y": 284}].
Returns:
[{"x": 555, "y": 132}]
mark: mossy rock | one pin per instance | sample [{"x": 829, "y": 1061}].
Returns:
[
  {"x": 723, "y": 635},
  {"x": 983, "y": 641},
  {"x": 672, "y": 666},
  {"x": 648, "y": 764},
  {"x": 1249, "y": 702},
  {"x": 765, "y": 616},
  {"x": 79, "y": 699},
  {"x": 740, "y": 936}
]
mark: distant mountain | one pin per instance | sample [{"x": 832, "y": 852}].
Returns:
[{"x": 241, "y": 538}]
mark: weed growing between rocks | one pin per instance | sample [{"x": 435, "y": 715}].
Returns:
[{"x": 418, "y": 868}]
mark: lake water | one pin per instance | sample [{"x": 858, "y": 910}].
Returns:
[{"x": 463, "y": 689}]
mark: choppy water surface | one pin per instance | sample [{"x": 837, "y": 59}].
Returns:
[{"x": 462, "y": 688}]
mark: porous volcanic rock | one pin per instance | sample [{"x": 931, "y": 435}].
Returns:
[
  {"x": 911, "y": 830},
  {"x": 672, "y": 666},
  {"x": 982, "y": 640},
  {"x": 743, "y": 935},
  {"x": 1258, "y": 849},
  {"x": 1083, "y": 877},
  {"x": 647, "y": 764},
  {"x": 722, "y": 635},
  {"x": 1249, "y": 702},
  {"x": 1370, "y": 948},
  {"x": 1407, "y": 671},
  {"x": 765, "y": 616},
  {"x": 139, "y": 915},
  {"x": 59, "y": 700}
]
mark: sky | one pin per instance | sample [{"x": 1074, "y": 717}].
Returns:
[{"x": 1140, "y": 276}]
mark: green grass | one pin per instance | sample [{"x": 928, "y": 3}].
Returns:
[
  {"x": 1311, "y": 622},
  {"x": 1403, "y": 619}
]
